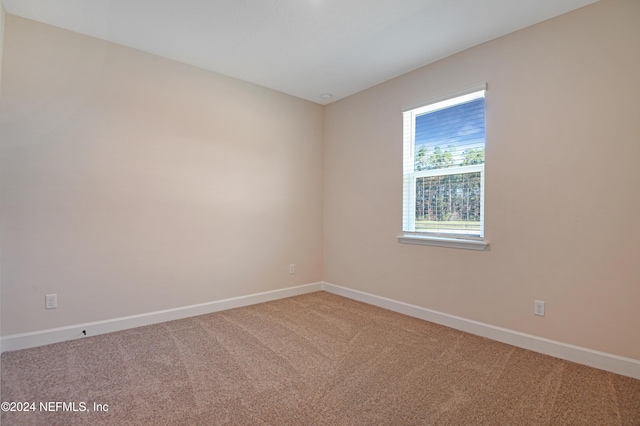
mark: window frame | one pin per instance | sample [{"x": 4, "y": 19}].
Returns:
[{"x": 443, "y": 239}]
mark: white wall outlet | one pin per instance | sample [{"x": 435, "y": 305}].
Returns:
[
  {"x": 538, "y": 307},
  {"x": 292, "y": 268},
  {"x": 51, "y": 301}
]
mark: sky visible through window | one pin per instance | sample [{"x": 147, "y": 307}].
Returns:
[{"x": 462, "y": 126}]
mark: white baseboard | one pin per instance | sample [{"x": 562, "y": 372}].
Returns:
[
  {"x": 604, "y": 361},
  {"x": 44, "y": 337}
]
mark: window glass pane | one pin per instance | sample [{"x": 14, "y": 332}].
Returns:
[
  {"x": 450, "y": 137},
  {"x": 449, "y": 203}
]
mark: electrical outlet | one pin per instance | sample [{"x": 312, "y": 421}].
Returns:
[
  {"x": 292, "y": 268},
  {"x": 538, "y": 307},
  {"x": 51, "y": 301}
]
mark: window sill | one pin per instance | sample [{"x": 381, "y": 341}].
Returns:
[{"x": 458, "y": 243}]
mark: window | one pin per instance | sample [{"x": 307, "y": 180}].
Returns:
[{"x": 444, "y": 150}]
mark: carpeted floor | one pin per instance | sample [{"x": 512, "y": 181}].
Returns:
[{"x": 316, "y": 359}]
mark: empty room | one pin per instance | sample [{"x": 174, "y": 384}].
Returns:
[{"x": 320, "y": 212}]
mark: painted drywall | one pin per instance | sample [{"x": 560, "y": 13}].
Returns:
[
  {"x": 132, "y": 184},
  {"x": 1, "y": 56},
  {"x": 562, "y": 178},
  {"x": 1, "y": 40}
]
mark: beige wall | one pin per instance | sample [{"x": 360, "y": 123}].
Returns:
[
  {"x": 562, "y": 184},
  {"x": 131, "y": 183},
  {"x": 1, "y": 40},
  {"x": 1, "y": 56}
]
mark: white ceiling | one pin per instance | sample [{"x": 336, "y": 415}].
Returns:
[{"x": 301, "y": 47}]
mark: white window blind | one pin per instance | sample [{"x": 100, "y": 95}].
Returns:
[{"x": 444, "y": 150}]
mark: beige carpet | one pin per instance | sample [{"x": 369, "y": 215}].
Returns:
[{"x": 317, "y": 359}]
